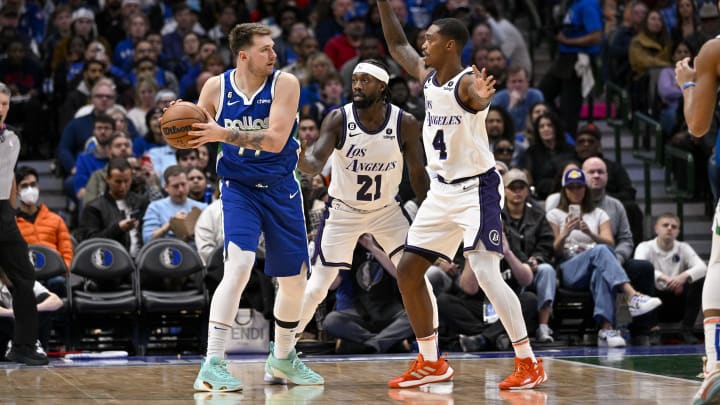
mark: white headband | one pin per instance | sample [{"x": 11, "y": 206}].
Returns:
[{"x": 373, "y": 70}]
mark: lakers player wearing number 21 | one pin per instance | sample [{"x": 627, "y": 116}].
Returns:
[{"x": 369, "y": 139}]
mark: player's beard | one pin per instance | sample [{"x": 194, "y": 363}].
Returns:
[{"x": 366, "y": 102}]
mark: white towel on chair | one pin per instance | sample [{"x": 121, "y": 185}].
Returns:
[{"x": 584, "y": 72}]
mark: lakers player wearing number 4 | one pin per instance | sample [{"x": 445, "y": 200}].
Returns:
[
  {"x": 465, "y": 198},
  {"x": 260, "y": 193},
  {"x": 369, "y": 139}
]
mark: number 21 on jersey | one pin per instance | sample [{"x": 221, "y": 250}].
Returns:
[{"x": 366, "y": 183}]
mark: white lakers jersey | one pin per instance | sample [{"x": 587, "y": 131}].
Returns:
[
  {"x": 367, "y": 166},
  {"x": 454, "y": 135}
]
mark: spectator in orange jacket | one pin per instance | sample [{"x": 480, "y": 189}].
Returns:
[{"x": 36, "y": 222}]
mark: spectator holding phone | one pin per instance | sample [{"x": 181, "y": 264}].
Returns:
[
  {"x": 583, "y": 243},
  {"x": 118, "y": 213}
]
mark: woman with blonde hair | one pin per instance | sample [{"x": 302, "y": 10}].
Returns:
[{"x": 146, "y": 89}]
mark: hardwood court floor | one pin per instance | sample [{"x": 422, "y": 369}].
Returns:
[{"x": 348, "y": 379}]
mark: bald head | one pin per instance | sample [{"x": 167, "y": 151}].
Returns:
[{"x": 596, "y": 174}]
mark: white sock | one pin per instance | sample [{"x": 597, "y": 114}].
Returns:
[
  {"x": 217, "y": 335},
  {"x": 712, "y": 341},
  {"x": 523, "y": 349},
  {"x": 284, "y": 341},
  {"x": 428, "y": 347}
]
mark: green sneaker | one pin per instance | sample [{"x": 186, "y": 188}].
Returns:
[
  {"x": 215, "y": 377},
  {"x": 279, "y": 371}
]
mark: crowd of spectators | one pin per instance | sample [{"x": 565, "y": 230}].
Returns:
[{"x": 100, "y": 73}]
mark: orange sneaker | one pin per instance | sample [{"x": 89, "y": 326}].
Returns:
[
  {"x": 423, "y": 372},
  {"x": 526, "y": 375}
]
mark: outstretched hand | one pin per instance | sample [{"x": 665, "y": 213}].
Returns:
[
  {"x": 205, "y": 132},
  {"x": 484, "y": 85}
]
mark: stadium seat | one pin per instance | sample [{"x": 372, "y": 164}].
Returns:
[
  {"x": 172, "y": 291},
  {"x": 108, "y": 294}
]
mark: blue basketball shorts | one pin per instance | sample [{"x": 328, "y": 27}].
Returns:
[{"x": 275, "y": 210}]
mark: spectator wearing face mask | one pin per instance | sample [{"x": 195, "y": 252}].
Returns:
[{"x": 37, "y": 223}]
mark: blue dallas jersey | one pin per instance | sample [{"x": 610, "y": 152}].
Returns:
[{"x": 249, "y": 166}]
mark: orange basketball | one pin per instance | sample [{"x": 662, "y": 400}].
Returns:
[{"x": 177, "y": 120}]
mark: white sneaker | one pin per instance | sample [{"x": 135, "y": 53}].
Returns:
[
  {"x": 610, "y": 338},
  {"x": 709, "y": 392},
  {"x": 544, "y": 334},
  {"x": 641, "y": 304}
]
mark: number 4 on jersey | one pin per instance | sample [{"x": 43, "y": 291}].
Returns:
[{"x": 439, "y": 144}]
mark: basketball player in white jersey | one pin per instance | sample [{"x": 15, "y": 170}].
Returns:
[
  {"x": 368, "y": 139},
  {"x": 700, "y": 87},
  {"x": 464, "y": 201}
]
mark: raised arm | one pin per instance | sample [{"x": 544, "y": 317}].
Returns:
[
  {"x": 283, "y": 112},
  {"x": 701, "y": 98},
  {"x": 411, "y": 133},
  {"x": 313, "y": 156},
  {"x": 401, "y": 50}
]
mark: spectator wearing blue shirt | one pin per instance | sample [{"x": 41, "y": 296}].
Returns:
[
  {"x": 156, "y": 222},
  {"x": 88, "y": 162},
  {"x": 582, "y": 33},
  {"x": 518, "y": 97}
]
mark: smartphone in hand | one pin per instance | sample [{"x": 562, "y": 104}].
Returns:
[
  {"x": 135, "y": 214},
  {"x": 574, "y": 211}
]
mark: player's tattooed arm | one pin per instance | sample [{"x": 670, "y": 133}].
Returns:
[
  {"x": 247, "y": 139},
  {"x": 281, "y": 121}
]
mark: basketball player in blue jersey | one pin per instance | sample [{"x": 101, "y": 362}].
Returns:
[
  {"x": 260, "y": 193},
  {"x": 465, "y": 198},
  {"x": 368, "y": 138},
  {"x": 699, "y": 87}
]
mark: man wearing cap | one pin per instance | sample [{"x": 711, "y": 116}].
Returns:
[
  {"x": 343, "y": 47},
  {"x": 619, "y": 185},
  {"x": 529, "y": 247},
  {"x": 14, "y": 259},
  {"x": 369, "y": 140}
]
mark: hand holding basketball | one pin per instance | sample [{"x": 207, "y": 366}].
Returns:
[{"x": 178, "y": 120}]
